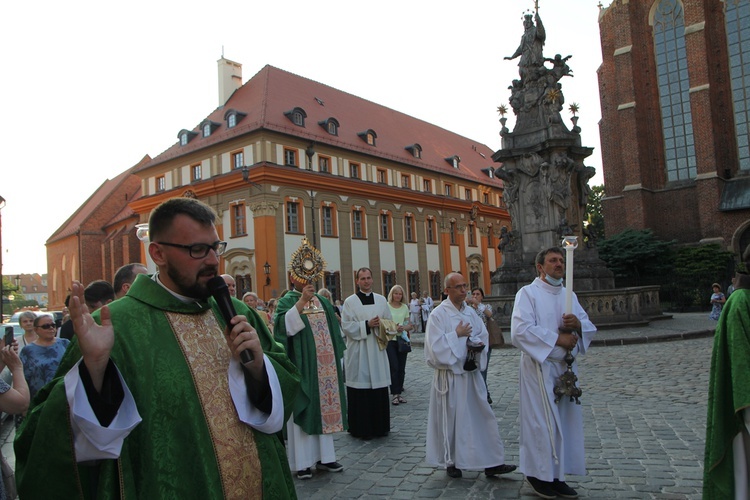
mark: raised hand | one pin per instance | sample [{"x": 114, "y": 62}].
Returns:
[
  {"x": 10, "y": 358},
  {"x": 94, "y": 340}
]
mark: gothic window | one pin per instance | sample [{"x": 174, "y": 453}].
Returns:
[
  {"x": 674, "y": 87},
  {"x": 738, "y": 41}
]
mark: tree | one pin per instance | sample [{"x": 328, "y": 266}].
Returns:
[
  {"x": 695, "y": 270},
  {"x": 593, "y": 216},
  {"x": 634, "y": 256},
  {"x": 10, "y": 289}
]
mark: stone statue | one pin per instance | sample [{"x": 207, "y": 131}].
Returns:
[
  {"x": 531, "y": 47},
  {"x": 559, "y": 66},
  {"x": 545, "y": 179},
  {"x": 504, "y": 239},
  {"x": 510, "y": 188}
]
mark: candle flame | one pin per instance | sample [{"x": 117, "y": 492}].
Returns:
[{"x": 570, "y": 242}]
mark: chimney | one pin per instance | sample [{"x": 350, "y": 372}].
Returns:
[{"x": 230, "y": 79}]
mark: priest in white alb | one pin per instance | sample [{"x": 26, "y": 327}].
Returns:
[
  {"x": 551, "y": 440},
  {"x": 462, "y": 430},
  {"x": 368, "y": 373}
]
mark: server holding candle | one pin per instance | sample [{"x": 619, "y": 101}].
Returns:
[{"x": 548, "y": 321}]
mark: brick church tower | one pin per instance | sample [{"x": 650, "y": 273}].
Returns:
[{"x": 675, "y": 97}]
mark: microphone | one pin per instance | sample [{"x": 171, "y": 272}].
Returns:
[{"x": 219, "y": 290}]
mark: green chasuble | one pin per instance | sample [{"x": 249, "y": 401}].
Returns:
[
  {"x": 191, "y": 444},
  {"x": 301, "y": 349},
  {"x": 728, "y": 394}
]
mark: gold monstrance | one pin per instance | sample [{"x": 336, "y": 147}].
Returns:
[{"x": 307, "y": 266}]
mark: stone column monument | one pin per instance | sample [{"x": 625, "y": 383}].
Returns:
[{"x": 546, "y": 181}]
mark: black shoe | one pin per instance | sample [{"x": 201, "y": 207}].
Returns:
[
  {"x": 563, "y": 489},
  {"x": 453, "y": 472},
  {"x": 304, "y": 474},
  {"x": 489, "y": 399},
  {"x": 499, "y": 469},
  {"x": 541, "y": 488},
  {"x": 330, "y": 466}
]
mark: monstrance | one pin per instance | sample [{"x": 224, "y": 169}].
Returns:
[{"x": 307, "y": 266}]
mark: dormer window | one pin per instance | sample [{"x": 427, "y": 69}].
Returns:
[
  {"x": 185, "y": 136},
  {"x": 297, "y": 116},
  {"x": 368, "y": 136},
  {"x": 233, "y": 117},
  {"x": 207, "y": 127},
  {"x": 454, "y": 161},
  {"x": 489, "y": 172},
  {"x": 415, "y": 150},
  {"x": 331, "y": 125}
]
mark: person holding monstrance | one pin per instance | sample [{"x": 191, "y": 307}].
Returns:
[{"x": 306, "y": 324}]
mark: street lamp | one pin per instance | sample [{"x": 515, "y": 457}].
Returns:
[
  {"x": 246, "y": 177},
  {"x": 2, "y": 205},
  {"x": 267, "y": 272}
]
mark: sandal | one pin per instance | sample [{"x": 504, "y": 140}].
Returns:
[
  {"x": 394, "y": 401},
  {"x": 400, "y": 399}
]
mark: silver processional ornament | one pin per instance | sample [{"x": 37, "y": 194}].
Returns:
[
  {"x": 566, "y": 383},
  {"x": 307, "y": 265}
]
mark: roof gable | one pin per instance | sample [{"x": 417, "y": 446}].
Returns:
[{"x": 101, "y": 196}]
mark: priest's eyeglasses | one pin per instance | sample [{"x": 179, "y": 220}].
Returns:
[{"x": 199, "y": 250}]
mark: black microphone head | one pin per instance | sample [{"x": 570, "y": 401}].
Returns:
[{"x": 215, "y": 284}]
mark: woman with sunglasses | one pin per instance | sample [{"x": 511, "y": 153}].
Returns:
[{"x": 41, "y": 357}]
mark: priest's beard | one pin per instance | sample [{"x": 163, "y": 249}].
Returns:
[{"x": 191, "y": 286}]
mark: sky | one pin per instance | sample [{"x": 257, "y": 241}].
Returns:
[{"x": 89, "y": 87}]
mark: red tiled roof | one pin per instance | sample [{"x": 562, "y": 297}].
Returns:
[
  {"x": 126, "y": 211},
  {"x": 272, "y": 92},
  {"x": 75, "y": 221}
]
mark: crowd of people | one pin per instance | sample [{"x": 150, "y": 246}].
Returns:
[
  {"x": 260, "y": 393},
  {"x": 158, "y": 349}
]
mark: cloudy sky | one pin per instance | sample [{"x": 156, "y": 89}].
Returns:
[{"x": 89, "y": 88}]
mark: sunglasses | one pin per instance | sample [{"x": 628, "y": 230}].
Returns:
[{"x": 47, "y": 326}]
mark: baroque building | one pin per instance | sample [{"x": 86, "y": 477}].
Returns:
[
  {"x": 675, "y": 96},
  {"x": 283, "y": 157}
]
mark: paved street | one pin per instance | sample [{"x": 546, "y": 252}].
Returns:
[{"x": 644, "y": 410}]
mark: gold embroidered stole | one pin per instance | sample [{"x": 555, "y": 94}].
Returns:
[
  {"x": 202, "y": 341},
  {"x": 332, "y": 419}
]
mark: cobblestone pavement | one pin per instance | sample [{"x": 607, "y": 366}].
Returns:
[{"x": 644, "y": 412}]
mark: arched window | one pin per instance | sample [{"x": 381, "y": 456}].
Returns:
[
  {"x": 674, "y": 87},
  {"x": 738, "y": 45}
]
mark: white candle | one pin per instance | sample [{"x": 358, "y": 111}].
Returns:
[{"x": 569, "y": 243}]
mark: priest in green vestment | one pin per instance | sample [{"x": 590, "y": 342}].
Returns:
[
  {"x": 314, "y": 343},
  {"x": 152, "y": 399},
  {"x": 727, "y": 460}
]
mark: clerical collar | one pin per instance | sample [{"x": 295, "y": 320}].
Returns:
[
  {"x": 366, "y": 298},
  {"x": 181, "y": 298}
]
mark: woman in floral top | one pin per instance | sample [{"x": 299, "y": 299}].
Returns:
[{"x": 42, "y": 357}]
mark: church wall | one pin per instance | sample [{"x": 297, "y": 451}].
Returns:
[{"x": 637, "y": 193}]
